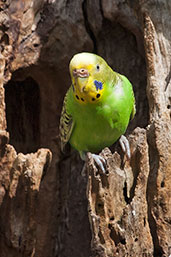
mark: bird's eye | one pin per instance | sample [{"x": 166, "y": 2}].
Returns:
[{"x": 97, "y": 67}]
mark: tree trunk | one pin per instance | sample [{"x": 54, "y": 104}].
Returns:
[{"x": 47, "y": 208}]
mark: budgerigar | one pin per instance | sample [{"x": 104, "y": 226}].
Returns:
[{"x": 97, "y": 107}]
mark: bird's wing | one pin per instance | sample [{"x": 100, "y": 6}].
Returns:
[{"x": 66, "y": 125}]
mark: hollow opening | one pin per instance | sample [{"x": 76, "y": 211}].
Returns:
[{"x": 22, "y": 100}]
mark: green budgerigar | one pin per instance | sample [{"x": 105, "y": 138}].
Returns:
[{"x": 97, "y": 107}]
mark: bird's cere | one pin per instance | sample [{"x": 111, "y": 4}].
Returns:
[{"x": 82, "y": 73}]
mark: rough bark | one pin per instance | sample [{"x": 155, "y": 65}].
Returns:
[{"x": 47, "y": 208}]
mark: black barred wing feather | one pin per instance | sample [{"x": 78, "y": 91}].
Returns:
[{"x": 66, "y": 126}]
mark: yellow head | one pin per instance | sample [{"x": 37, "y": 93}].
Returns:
[{"x": 88, "y": 72}]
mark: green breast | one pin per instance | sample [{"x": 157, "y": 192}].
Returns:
[{"x": 100, "y": 125}]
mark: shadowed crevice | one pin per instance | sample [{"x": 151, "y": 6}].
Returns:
[
  {"x": 22, "y": 100},
  {"x": 88, "y": 26},
  {"x": 152, "y": 191}
]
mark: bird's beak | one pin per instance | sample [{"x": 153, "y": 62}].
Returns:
[{"x": 81, "y": 77}]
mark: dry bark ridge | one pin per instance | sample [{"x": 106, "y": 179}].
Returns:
[{"x": 47, "y": 208}]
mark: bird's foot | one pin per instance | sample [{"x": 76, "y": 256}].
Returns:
[
  {"x": 99, "y": 161},
  {"x": 125, "y": 146}
]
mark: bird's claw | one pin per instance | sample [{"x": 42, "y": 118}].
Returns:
[
  {"x": 100, "y": 161},
  {"x": 125, "y": 146}
]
